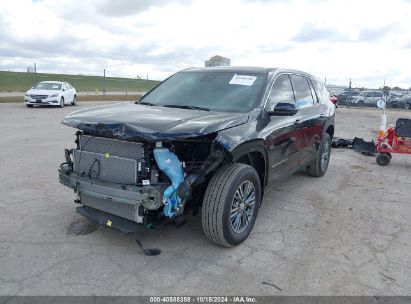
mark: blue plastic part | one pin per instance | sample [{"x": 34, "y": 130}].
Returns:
[{"x": 169, "y": 163}]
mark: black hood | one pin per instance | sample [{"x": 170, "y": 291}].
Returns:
[{"x": 129, "y": 120}]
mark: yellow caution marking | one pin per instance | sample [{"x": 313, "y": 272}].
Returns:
[
  {"x": 109, "y": 223},
  {"x": 107, "y": 155}
]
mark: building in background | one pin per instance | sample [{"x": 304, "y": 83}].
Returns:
[{"x": 217, "y": 61}]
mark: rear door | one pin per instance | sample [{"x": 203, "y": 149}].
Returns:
[
  {"x": 311, "y": 98},
  {"x": 308, "y": 115}
]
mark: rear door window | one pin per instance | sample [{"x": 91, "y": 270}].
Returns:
[{"x": 302, "y": 91}]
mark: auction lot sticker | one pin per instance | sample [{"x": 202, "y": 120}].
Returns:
[{"x": 244, "y": 80}]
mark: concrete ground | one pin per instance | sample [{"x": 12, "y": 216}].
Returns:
[{"x": 347, "y": 233}]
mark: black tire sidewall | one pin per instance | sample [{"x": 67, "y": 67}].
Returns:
[
  {"x": 229, "y": 235},
  {"x": 326, "y": 138}
]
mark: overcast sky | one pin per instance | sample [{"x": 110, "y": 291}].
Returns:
[{"x": 368, "y": 41}]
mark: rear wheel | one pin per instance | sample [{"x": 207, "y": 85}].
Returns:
[
  {"x": 62, "y": 102},
  {"x": 320, "y": 164},
  {"x": 360, "y": 103},
  {"x": 407, "y": 106},
  {"x": 74, "y": 102},
  {"x": 230, "y": 204},
  {"x": 383, "y": 159}
]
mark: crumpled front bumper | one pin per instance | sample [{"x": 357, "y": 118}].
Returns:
[{"x": 125, "y": 201}]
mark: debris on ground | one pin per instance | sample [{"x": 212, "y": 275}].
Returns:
[
  {"x": 148, "y": 251},
  {"x": 358, "y": 144},
  {"x": 272, "y": 285},
  {"x": 338, "y": 142},
  {"x": 81, "y": 227}
]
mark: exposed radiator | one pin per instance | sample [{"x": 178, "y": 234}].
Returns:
[
  {"x": 120, "y": 148},
  {"x": 109, "y": 160}
]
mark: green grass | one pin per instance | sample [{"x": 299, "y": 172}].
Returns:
[
  {"x": 19, "y": 99},
  {"x": 21, "y": 82}
]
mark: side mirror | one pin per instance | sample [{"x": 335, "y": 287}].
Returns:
[{"x": 283, "y": 109}]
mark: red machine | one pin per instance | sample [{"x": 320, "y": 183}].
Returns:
[{"x": 394, "y": 140}]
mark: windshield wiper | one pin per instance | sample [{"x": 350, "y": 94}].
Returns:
[
  {"x": 187, "y": 107},
  {"x": 145, "y": 103}
]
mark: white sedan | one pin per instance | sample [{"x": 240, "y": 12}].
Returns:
[{"x": 53, "y": 93}]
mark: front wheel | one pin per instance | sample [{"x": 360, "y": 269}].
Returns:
[
  {"x": 29, "y": 105},
  {"x": 407, "y": 106},
  {"x": 320, "y": 164},
  {"x": 230, "y": 204},
  {"x": 61, "y": 102}
]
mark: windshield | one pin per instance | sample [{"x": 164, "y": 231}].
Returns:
[
  {"x": 217, "y": 91},
  {"x": 48, "y": 86}
]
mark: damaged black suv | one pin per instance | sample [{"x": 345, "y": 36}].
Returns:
[{"x": 206, "y": 140}]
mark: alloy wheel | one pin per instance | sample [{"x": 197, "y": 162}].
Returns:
[{"x": 242, "y": 207}]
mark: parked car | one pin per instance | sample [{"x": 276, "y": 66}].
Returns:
[
  {"x": 407, "y": 103},
  {"x": 369, "y": 98},
  {"x": 209, "y": 138},
  {"x": 346, "y": 96},
  {"x": 53, "y": 93},
  {"x": 399, "y": 101}
]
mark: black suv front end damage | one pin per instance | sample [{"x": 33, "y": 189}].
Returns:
[{"x": 138, "y": 179}]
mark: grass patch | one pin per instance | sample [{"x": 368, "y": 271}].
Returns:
[
  {"x": 22, "y": 81},
  {"x": 18, "y": 99}
]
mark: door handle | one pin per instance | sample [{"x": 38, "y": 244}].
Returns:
[
  {"x": 322, "y": 115},
  {"x": 297, "y": 121}
]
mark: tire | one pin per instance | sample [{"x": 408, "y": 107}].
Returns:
[
  {"x": 62, "y": 102},
  {"x": 320, "y": 164},
  {"x": 407, "y": 106},
  {"x": 29, "y": 105},
  {"x": 360, "y": 103},
  {"x": 74, "y": 102},
  {"x": 224, "y": 210},
  {"x": 383, "y": 159}
]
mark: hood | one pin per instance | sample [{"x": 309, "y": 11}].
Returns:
[
  {"x": 129, "y": 120},
  {"x": 42, "y": 92}
]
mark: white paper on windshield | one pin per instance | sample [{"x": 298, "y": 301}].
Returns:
[{"x": 244, "y": 80}]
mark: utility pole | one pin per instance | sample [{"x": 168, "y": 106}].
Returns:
[
  {"x": 126, "y": 91},
  {"x": 349, "y": 94},
  {"x": 104, "y": 82},
  {"x": 35, "y": 73}
]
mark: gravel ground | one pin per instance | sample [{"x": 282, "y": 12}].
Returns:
[{"x": 345, "y": 234}]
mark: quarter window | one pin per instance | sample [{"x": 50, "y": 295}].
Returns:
[
  {"x": 322, "y": 92},
  {"x": 302, "y": 91},
  {"x": 281, "y": 92}
]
